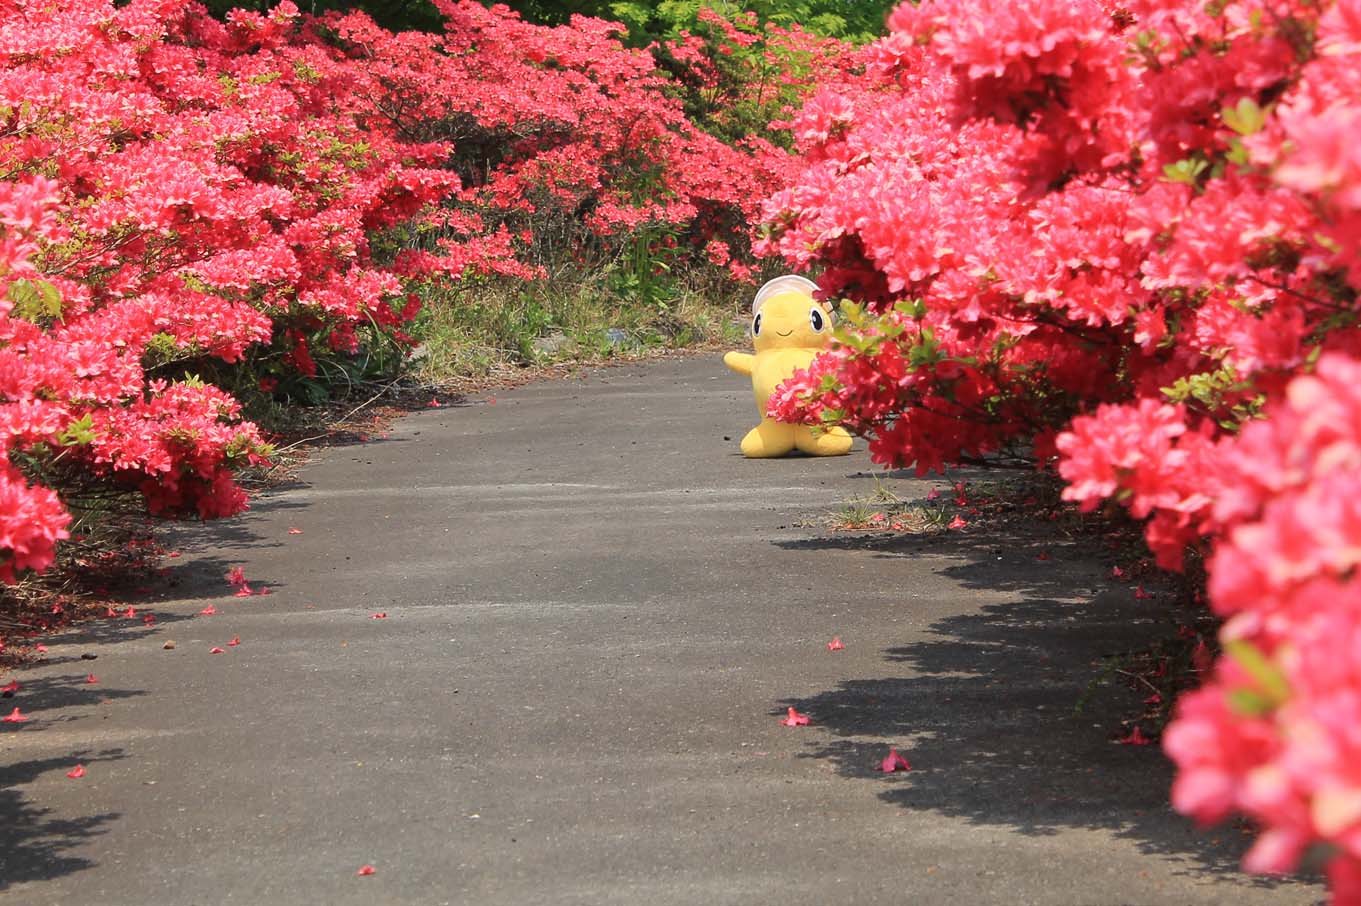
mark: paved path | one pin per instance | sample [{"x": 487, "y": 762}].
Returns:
[{"x": 596, "y": 613}]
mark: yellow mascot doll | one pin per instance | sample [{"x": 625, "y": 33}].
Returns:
[{"x": 788, "y": 328}]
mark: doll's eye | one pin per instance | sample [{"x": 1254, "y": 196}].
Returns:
[
  {"x": 756, "y": 326},
  {"x": 815, "y": 317}
]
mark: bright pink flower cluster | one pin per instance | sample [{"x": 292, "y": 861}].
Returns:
[{"x": 1126, "y": 241}]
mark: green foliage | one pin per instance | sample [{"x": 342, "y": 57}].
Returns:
[
  {"x": 1245, "y": 119},
  {"x": 852, "y": 20},
  {"x": 35, "y": 301},
  {"x": 80, "y": 431},
  {"x": 1269, "y": 690},
  {"x": 480, "y": 326},
  {"x": 1221, "y": 393}
]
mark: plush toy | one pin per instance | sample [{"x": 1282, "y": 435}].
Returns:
[{"x": 788, "y": 328}]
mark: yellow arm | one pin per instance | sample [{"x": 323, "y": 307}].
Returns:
[{"x": 740, "y": 362}]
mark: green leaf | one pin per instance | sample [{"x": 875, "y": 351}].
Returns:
[
  {"x": 80, "y": 431},
  {"x": 34, "y": 300},
  {"x": 1271, "y": 682},
  {"x": 1246, "y": 118},
  {"x": 913, "y": 308},
  {"x": 1186, "y": 171},
  {"x": 1248, "y": 703}
]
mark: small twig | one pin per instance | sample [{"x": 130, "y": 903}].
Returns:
[
  {"x": 1139, "y": 678},
  {"x": 343, "y": 418}
]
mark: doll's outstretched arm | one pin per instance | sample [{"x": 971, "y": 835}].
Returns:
[{"x": 741, "y": 362}]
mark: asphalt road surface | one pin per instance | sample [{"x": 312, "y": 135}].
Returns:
[{"x": 597, "y": 612}]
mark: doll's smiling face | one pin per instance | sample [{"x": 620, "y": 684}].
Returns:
[{"x": 790, "y": 320}]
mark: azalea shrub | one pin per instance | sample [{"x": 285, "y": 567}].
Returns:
[
  {"x": 192, "y": 208},
  {"x": 1123, "y": 241},
  {"x": 564, "y": 141}
]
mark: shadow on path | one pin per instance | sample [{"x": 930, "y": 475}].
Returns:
[
  {"x": 35, "y": 845},
  {"x": 996, "y": 708}
]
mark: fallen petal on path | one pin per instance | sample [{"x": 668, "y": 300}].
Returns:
[{"x": 894, "y": 762}]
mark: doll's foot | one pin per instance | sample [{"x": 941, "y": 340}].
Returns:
[
  {"x": 834, "y": 441},
  {"x": 770, "y": 438}
]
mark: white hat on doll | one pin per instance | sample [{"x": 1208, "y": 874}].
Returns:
[{"x": 789, "y": 283}]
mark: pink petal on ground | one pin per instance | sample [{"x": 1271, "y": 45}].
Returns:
[
  {"x": 894, "y": 762},
  {"x": 1136, "y": 737}
]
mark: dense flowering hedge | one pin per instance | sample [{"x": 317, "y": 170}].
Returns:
[
  {"x": 1125, "y": 239},
  {"x": 181, "y": 196}
]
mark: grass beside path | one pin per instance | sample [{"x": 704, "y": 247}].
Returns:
[{"x": 490, "y": 328}]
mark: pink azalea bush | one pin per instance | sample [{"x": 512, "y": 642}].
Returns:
[{"x": 1124, "y": 241}]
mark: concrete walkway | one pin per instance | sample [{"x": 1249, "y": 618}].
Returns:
[{"x": 597, "y": 612}]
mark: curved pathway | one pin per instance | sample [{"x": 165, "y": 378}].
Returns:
[{"x": 596, "y": 613}]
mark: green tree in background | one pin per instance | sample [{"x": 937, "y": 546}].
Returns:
[{"x": 850, "y": 20}]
